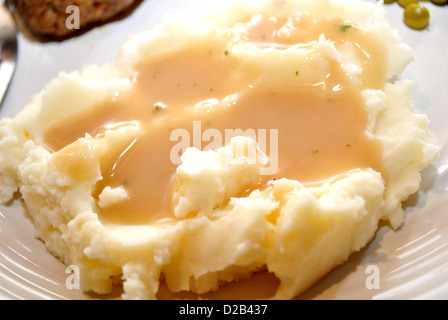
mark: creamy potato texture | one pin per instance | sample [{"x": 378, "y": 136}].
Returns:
[{"x": 125, "y": 168}]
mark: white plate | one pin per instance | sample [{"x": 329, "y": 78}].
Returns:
[{"x": 412, "y": 261}]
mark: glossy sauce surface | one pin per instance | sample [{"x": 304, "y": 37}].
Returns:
[{"x": 321, "y": 126}]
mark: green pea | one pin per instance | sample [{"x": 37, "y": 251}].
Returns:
[
  {"x": 405, "y": 3},
  {"x": 440, "y": 2},
  {"x": 416, "y": 16}
]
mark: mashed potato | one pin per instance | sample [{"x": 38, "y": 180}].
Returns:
[{"x": 130, "y": 172}]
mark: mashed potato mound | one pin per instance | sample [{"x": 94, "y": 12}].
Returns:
[{"x": 224, "y": 226}]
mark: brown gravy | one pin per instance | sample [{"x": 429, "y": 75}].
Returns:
[{"x": 321, "y": 130}]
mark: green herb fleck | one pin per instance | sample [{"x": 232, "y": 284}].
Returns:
[
  {"x": 297, "y": 73},
  {"x": 158, "y": 107},
  {"x": 346, "y": 26},
  {"x": 226, "y": 53},
  {"x": 315, "y": 151}
]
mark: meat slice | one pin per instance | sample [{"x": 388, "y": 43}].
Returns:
[{"x": 49, "y": 17}]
